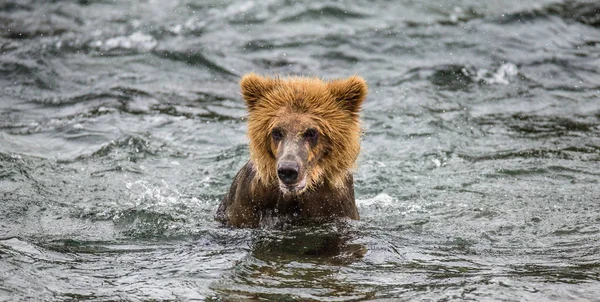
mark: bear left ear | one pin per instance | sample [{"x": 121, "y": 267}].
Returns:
[
  {"x": 351, "y": 92},
  {"x": 254, "y": 88}
]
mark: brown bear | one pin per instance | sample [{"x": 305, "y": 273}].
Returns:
[{"x": 304, "y": 138}]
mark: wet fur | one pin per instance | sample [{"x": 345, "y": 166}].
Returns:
[
  {"x": 332, "y": 107},
  {"x": 244, "y": 206}
]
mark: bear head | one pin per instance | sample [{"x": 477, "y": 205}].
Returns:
[{"x": 303, "y": 132}]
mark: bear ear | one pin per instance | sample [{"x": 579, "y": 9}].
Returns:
[
  {"x": 351, "y": 92},
  {"x": 254, "y": 87}
]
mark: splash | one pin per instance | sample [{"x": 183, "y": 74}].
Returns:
[
  {"x": 136, "y": 41},
  {"x": 502, "y": 75},
  {"x": 384, "y": 204},
  {"x": 143, "y": 195}
]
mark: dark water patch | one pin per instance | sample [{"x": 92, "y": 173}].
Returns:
[
  {"x": 586, "y": 12},
  {"x": 209, "y": 113},
  {"x": 9, "y": 46},
  {"x": 19, "y": 29},
  {"x": 77, "y": 246},
  {"x": 185, "y": 111},
  {"x": 565, "y": 62},
  {"x": 198, "y": 97},
  {"x": 461, "y": 77},
  {"x": 290, "y": 42},
  {"x": 121, "y": 246},
  {"x": 591, "y": 43},
  {"x": 128, "y": 92},
  {"x": 339, "y": 56},
  {"x": 542, "y": 126},
  {"x": 327, "y": 12},
  {"x": 447, "y": 15},
  {"x": 552, "y": 126},
  {"x": 135, "y": 101},
  {"x": 451, "y": 77},
  {"x": 275, "y": 63},
  {"x": 522, "y": 172},
  {"x": 58, "y": 101},
  {"x": 559, "y": 153},
  {"x": 12, "y": 6},
  {"x": 194, "y": 58},
  {"x": 556, "y": 274},
  {"x": 28, "y": 73}
]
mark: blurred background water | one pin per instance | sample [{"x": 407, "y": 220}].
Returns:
[{"x": 121, "y": 128}]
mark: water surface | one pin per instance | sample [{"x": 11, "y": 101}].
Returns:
[{"x": 121, "y": 128}]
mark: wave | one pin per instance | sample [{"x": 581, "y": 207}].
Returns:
[
  {"x": 542, "y": 127},
  {"x": 588, "y": 153},
  {"x": 27, "y": 73},
  {"x": 195, "y": 58},
  {"x": 461, "y": 77},
  {"x": 586, "y": 12},
  {"x": 323, "y": 12},
  {"x": 151, "y": 210}
]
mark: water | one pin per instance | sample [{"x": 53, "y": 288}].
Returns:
[{"x": 121, "y": 128}]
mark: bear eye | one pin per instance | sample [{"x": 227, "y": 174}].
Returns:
[
  {"x": 312, "y": 135},
  {"x": 277, "y": 134}
]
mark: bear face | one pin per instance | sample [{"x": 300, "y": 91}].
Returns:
[{"x": 303, "y": 132}]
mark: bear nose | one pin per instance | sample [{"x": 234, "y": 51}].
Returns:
[{"x": 288, "y": 172}]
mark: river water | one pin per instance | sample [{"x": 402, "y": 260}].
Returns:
[{"x": 121, "y": 128}]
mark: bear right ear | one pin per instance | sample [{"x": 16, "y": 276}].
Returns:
[
  {"x": 350, "y": 92},
  {"x": 254, "y": 87}
]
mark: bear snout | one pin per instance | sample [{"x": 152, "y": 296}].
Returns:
[{"x": 288, "y": 172}]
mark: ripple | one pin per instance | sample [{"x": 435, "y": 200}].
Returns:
[
  {"x": 28, "y": 73},
  {"x": 327, "y": 12},
  {"x": 139, "y": 102},
  {"x": 34, "y": 26},
  {"x": 270, "y": 44},
  {"x": 543, "y": 126},
  {"x": 586, "y": 12},
  {"x": 60, "y": 101},
  {"x": 194, "y": 58},
  {"x": 133, "y": 148},
  {"x": 564, "y": 153}
]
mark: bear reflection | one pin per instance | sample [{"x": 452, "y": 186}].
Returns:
[{"x": 330, "y": 242}]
